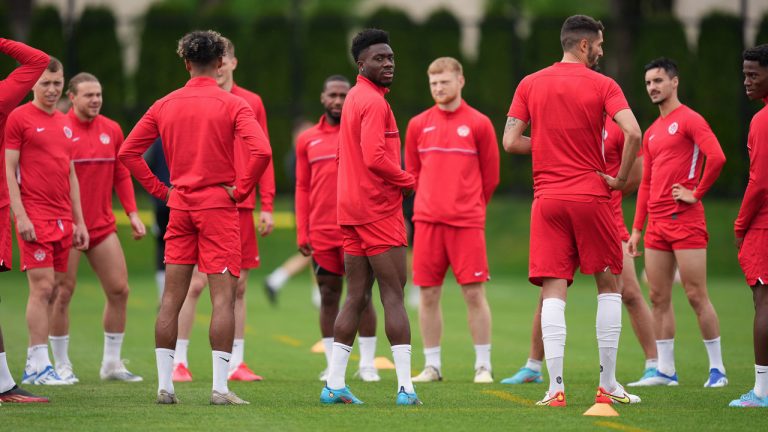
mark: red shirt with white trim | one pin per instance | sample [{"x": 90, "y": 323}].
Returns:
[
  {"x": 316, "y": 173},
  {"x": 565, "y": 104},
  {"x": 371, "y": 180},
  {"x": 454, "y": 158},
  {"x": 44, "y": 142},
  {"x": 267, "y": 180},
  {"x": 753, "y": 213},
  {"x": 198, "y": 124},
  {"x": 674, "y": 148},
  {"x": 13, "y": 89},
  {"x": 95, "y": 147}
]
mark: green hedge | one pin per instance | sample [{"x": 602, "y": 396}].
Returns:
[{"x": 47, "y": 33}]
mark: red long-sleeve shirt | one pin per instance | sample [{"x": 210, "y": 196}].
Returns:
[
  {"x": 371, "y": 179},
  {"x": 267, "y": 180},
  {"x": 673, "y": 147},
  {"x": 316, "y": 173},
  {"x": 454, "y": 158},
  {"x": 13, "y": 89},
  {"x": 754, "y": 207},
  {"x": 95, "y": 147},
  {"x": 198, "y": 124}
]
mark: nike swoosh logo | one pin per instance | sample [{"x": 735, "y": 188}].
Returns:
[
  {"x": 429, "y": 129},
  {"x": 226, "y": 360},
  {"x": 761, "y": 372},
  {"x": 477, "y": 274},
  {"x": 75, "y": 139},
  {"x": 624, "y": 400},
  {"x": 40, "y": 129},
  {"x": 315, "y": 142}
]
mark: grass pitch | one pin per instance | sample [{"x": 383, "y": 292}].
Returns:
[{"x": 278, "y": 342}]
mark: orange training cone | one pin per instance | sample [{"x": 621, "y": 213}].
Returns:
[
  {"x": 318, "y": 348},
  {"x": 383, "y": 363},
  {"x": 601, "y": 410}
]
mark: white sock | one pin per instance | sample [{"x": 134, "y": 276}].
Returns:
[
  {"x": 553, "y": 334},
  {"x": 402, "y": 356},
  {"x": 221, "y": 361},
  {"x": 367, "y": 346},
  {"x": 238, "y": 350},
  {"x": 160, "y": 282},
  {"x": 651, "y": 363},
  {"x": 608, "y": 325},
  {"x": 277, "y": 278},
  {"x": 181, "y": 352},
  {"x": 432, "y": 358},
  {"x": 6, "y": 380},
  {"x": 483, "y": 356},
  {"x": 715, "y": 354},
  {"x": 60, "y": 348},
  {"x": 328, "y": 348},
  {"x": 164, "y": 357},
  {"x": 113, "y": 343},
  {"x": 761, "y": 381},
  {"x": 534, "y": 365},
  {"x": 337, "y": 371},
  {"x": 37, "y": 358},
  {"x": 666, "y": 350}
]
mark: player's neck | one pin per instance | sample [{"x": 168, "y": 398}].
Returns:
[
  {"x": 49, "y": 110},
  {"x": 452, "y": 105},
  {"x": 330, "y": 121},
  {"x": 81, "y": 117},
  {"x": 202, "y": 72},
  {"x": 569, "y": 57},
  {"x": 669, "y": 105},
  {"x": 227, "y": 86}
]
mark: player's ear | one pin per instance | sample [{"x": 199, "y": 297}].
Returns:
[
  {"x": 234, "y": 63},
  {"x": 462, "y": 81}
]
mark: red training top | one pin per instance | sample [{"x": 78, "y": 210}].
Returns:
[
  {"x": 371, "y": 179},
  {"x": 565, "y": 104},
  {"x": 198, "y": 124},
  {"x": 13, "y": 89},
  {"x": 454, "y": 157},
  {"x": 95, "y": 147},
  {"x": 316, "y": 172},
  {"x": 44, "y": 142},
  {"x": 267, "y": 180},
  {"x": 753, "y": 213},
  {"x": 672, "y": 150}
]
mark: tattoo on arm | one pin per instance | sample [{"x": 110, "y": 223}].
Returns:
[{"x": 511, "y": 123}]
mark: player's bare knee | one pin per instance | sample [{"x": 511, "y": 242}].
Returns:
[{"x": 699, "y": 302}]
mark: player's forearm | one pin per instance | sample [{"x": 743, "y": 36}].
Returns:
[
  {"x": 377, "y": 162},
  {"x": 629, "y": 154},
  {"x": 125, "y": 192},
  {"x": 140, "y": 170},
  {"x": 713, "y": 167},
  {"x": 14, "y": 194},
  {"x": 74, "y": 195},
  {"x": 754, "y": 200},
  {"x": 641, "y": 208},
  {"x": 635, "y": 178},
  {"x": 267, "y": 188},
  {"x": 257, "y": 164}
]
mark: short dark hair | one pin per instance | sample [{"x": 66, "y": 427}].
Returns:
[
  {"x": 669, "y": 66},
  {"x": 334, "y": 78},
  {"x": 366, "y": 38},
  {"x": 54, "y": 65},
  {"x": 229, "y": 46},
  {"x": 758, "y": 54},
  {"x": 79, "y": 79},
  {"x": 578, "y": 27},
  {"x": 201, "y": 47}
]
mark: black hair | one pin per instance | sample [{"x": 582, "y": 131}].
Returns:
[
  {"x": 758, "y": 54},
  {"x": 201, "y": 47},
  {"x": 366, "y": 38},
  {"x": 578, "y": 27},
  {"x": 669, "y": 66},
  {"x": 334, "y": 78}
]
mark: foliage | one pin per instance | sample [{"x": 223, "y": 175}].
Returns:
[{"x": 47, "y": 33}]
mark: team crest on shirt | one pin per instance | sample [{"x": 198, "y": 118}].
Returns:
[
  {"x": 672, "y": 129},
  {"x": 463, "y": 131},
  {"x": 39, "y": 255},
  {"x": 104, "y": 138},
  {"x": 67, "y": 132}
]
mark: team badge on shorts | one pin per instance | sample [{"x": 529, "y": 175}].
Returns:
[
  {"x": 39, "y": 255},
  {"x": 463, "y": 131},
  {"x": 104, "y": 138},
  {"x": 67, "y": 132},
  {"x": 672, "y": 129}
]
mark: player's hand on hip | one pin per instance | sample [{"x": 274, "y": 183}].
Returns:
[
  {"x": 682, "y": 193},
  {"x": 230, "y": 191},
  {"x": 137, "y": 226},
  {"x": 634, "y": 239},
  {"x": 305, "y": 249},
  {"x": 266, "y": 223},
  {"x": 80, "y": 237},
  {"x": 26, "y": 229},
  {"x": 407, "y": 192},
  {"x": 614, "y": 183}
]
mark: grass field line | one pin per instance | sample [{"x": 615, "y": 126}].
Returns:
[
  {"x": 283, "y": 219},
  {"x": 508, "y": 397},
  {"x": 618, "y": 426},
  {"x": 287, "y": 340}
]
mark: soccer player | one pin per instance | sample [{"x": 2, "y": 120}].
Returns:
[
  {"x": 12, "y": 90},
  {"x": 452, "y": 152},
  {"x": 199, "y": 125},
  {"x": 751, "y": 226},
  {"x": 238, "y": 369},
  {"x": 631, "y": 295},
  {"x": 97, "y": 140},
  {"x": 45, "y": 200},
  {"x": 317, "y": 232},
  {"x": 371, "y": 185},
  {"x": 572, "y": 222},
  {"x": 674, "y": 147}
]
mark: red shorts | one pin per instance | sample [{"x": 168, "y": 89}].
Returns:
[
  {"x": 328, "y": 250},
  {"x": 6, "y": 251},
  {"x": 249, "y": 246},
  {"x": 618, "y": 214},
  {"x": 209, "y": 238},
  {"x": 669, "y": 235},
  {"x": 51, "y": 249},
  {"x": 376, "y": 237},
  {"x": 436, "y": 246},
  {"x": 570, "y": 234},
  {"x": 753, "y": 257},
  {"x": 98, "y": 235}
]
